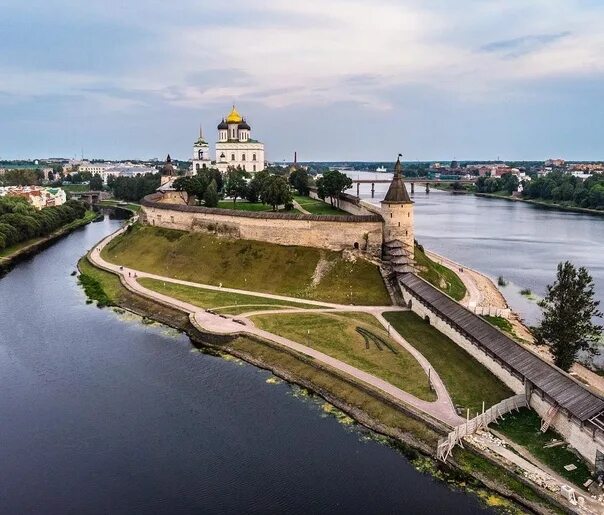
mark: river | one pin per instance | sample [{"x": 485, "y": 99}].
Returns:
[
  {"x": 102, "y": 414},
  {"x": 519, "y": 241}
]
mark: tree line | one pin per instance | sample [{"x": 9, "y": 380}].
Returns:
[
  {"x": 20, "y": 221},
  {"x": 133, "y": 189},
  {"x": 556, "y": 186}
]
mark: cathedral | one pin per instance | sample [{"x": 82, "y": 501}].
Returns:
[{"x": 235, "y": 147}]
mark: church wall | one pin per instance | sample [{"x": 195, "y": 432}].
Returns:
[
  {"x": 239, "y": 149},
  {"x": 303, "y": 230}
]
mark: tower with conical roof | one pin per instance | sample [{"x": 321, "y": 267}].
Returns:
[
  {"x": 201, "y": 153},
  {"x": 397, "y": 212}
]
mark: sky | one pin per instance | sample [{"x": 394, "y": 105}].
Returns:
[{"x": 330, "y": 79}]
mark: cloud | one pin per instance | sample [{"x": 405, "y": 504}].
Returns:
[{"x": 523, "y": 45}]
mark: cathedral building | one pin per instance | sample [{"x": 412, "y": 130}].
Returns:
[{"x": 235, "y": 147}]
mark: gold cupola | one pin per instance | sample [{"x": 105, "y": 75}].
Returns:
[{"x": 234, "y": 116}]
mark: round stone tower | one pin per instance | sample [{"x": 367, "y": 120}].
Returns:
[{"x": 397, "y": 211}]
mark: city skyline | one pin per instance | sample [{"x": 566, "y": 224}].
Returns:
[{"x": 479, "y": 80}]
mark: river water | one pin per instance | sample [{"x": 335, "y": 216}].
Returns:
[
  {"x": 519, "y": 241},
  {"x": 102, "y": 414}
]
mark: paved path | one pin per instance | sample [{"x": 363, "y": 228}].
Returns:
[
  {"x": 301, "y": 209},
  {"x": 473, "y": 294},
  {"x": 442, "y": 409}
]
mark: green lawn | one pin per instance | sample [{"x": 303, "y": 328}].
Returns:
[
  {"x": 337, "y": 336},
  {"x": 248, "y": 265},
  {"x": 75, "y": 187},
  {"x": 106, "y": 287},
  {"x": 116, "y": 203},
  {"x": 439, "y": 275},
  {"x": 318, "y": 207},
  {"x": 210, "y": 299},
  {"x": 523, "y": 428},
  {"x": 243, "y": 205},
  {"x": 468, "y": 382},
  {"x": 500, "y": 322}
]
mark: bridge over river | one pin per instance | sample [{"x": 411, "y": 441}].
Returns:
[{"x": 411, "y": 181}]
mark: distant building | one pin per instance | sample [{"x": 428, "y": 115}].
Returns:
[
  {"x": 201, "y": 153},
  {"x": 555, "y": 163},
  {"x": 106, "y": 170},
  {"x": 235, "y": 147},
  {"x": 36, "y": 196}
]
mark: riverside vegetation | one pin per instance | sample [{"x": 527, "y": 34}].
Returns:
[{"x": 181, "y": 258}]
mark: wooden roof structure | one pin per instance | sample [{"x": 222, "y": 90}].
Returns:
[{"x": 557, "y": 387}]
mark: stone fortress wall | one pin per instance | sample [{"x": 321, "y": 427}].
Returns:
[
  {"x": 362, "y": 231},
  {"x": 586, "y": 440}
]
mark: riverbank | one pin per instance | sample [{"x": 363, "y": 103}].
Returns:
[
  {"x": 414, "y": 434},
  {"x": 13, "y": 254},
  {"x": 540, "y": 203}
]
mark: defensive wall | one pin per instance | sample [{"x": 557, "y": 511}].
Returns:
[
  {"x": 583, "y": 435},
  {"x": 351, "y": 204},
  {"x": 332, "y": 232}
]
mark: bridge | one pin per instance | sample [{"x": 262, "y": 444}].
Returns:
[
  {"x": 89, "y": 197},
  {"x": 412, "y": 181}
]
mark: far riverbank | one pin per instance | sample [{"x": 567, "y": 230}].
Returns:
[{"x": 13, "y": 254}]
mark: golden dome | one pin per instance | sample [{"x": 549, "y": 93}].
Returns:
[{"x": 234, "y": 116}]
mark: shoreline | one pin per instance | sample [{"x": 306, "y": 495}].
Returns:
[
  {"x": 7, "y": 262},
  {"x": 539, "y": 203},
  {"x": 304, "y": 372}
]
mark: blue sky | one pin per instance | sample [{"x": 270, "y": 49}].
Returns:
[{"x": 334, "y": 80}]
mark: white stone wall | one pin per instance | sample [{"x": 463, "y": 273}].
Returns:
[
  {"x": 332, "y": 235},
  {"x": 348, "y": 205},
  {"x": 239, "y": 150},
  {"x": 581, "y": 439}
]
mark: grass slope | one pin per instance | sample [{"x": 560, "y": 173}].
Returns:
[
  {"x": 248, "y": 265},
  {"x": 439, "y": 275},
  {"x": 337, "y": 336},
  {"x": 469, "y": 383},
  {"x": 216, "y": 299},
  {"x": 524, "y": 428},
  {"x": 318, "y": 207}
]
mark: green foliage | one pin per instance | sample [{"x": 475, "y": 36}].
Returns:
[
  {"x": 133, "y": 189},
  {"x": 210, "y": 197},
  {"x": 94, "y": 290},
  {"x": 300, "y": 180},
  {"x": 276, "y": 192},
  {"x": 332, "y": 185},
  {"x": 19, "y": 221},
  {"x": 235, "y": 184},
  {"x": 569, "y": 310},
  {"x": 566, "y": 189},
  {"x": 21, "y": 177},
  {"x": 507, "y": 183},
  {"x": 96, "y": 183},
  {"x": 256, "y": 185},
  {"x": 500, "y": 322}
]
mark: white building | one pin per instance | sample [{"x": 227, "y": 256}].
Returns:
[
  {"x": 235, "y": 147},
  {"x": 36, "y": 196},
  {"x": 201, "y": 153}
]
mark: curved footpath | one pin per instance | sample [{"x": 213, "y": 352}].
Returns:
[{"x": 442, "y": 409}]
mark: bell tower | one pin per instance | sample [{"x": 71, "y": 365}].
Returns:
[{"x": 201, "y": 153}]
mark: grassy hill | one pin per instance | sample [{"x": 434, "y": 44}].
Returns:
[
  {"x": 439, "y": 275},
  {"x": 303, "y": 272}
]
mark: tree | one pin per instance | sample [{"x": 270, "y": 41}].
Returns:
[
  {"x": 276, "y": 192},
  {"x": 210, "y": 197},
  {"x": 300, "y": 180},
  {"x": 332, "y": 185},
  {"x": 96, "y": 183},
  {"x": 256, "y": 185},
  {"x": 236, "y": 185},
  {"x": 569, "y": 311}
]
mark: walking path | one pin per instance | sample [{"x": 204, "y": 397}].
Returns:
[
  {"x": 300, "y": 208},
  {"x": 442, "y": 409}
]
